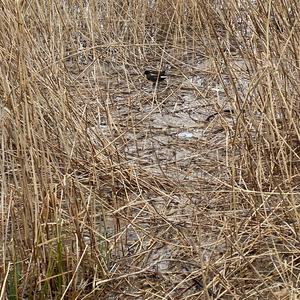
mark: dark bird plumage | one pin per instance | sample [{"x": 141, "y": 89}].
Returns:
[{"x": 155, "y": 76}]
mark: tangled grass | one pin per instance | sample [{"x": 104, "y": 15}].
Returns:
[{"x": 113, "y": 189}]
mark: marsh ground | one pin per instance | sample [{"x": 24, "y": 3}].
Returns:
[{"x": 114, "y": 189}]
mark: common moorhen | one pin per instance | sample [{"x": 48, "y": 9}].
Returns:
[{"x": 155, "y": 76}]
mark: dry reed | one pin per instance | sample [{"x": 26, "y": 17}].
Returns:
[{"x": 112, "y": 189}]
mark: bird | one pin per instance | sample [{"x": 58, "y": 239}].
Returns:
[{"x": 155, "y": 76}]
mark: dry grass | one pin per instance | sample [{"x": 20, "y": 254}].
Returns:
[{"x": 112, "y": 189}]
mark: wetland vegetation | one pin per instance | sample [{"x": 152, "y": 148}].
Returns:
[{"x": 113, "y": 187}]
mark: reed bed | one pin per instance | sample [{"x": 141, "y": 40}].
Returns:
[{"x": 112, "y": 188}]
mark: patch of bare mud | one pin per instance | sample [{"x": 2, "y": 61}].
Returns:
[{"x": 163, "y": 242}]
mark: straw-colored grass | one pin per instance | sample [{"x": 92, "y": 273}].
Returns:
[{"x": 114, "y": 189}]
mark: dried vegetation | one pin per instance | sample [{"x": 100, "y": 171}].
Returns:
[{"x": 113, "y": 189}]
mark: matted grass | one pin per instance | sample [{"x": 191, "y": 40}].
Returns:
[{"x": 114, "y": 189}]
